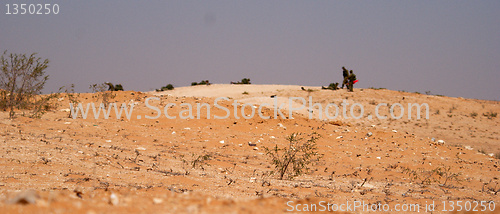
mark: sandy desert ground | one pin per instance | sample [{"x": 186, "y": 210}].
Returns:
[{"x": 58, "y": 164}]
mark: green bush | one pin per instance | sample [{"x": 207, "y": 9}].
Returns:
[
  {"x": 118, "y": 87},
  {"x": 490, "y": 115},
  {"x": 166, "y": 88},
  {"x": 243, "y": 81},
  {"x": 203, "y": 82}
]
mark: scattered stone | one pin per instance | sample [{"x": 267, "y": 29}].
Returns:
[
  {"x": 394, "y": 130},
  {"x": 369, "y": 134},
  {"x": 173, "y": 132},
  {"x": 65, "y": 110},
  {"x": 468, "y": 148},
  {"x": 140, "y": 148},
  {"x": 157, "y": 200},
  {"x": 67, "y": 123},
  {"x": 282, "y": 126},
  {"x": 187, "y": 128},
  {"x": 433, "y": 139},
  {"x": 379, "y": 158},
  {"x": 222, "y": 142},
  {"x": 25, "y": 197},
  {"x": 252, "y": 144},
  {"x": 113, "y": 199},
  {"x": 108, "y": 141},
  {"x": 440, "y": 142},
  {"x": 252, "y": 179},
  {"x": 255, "y": 148},
  {"x": 339, "y": 137}
]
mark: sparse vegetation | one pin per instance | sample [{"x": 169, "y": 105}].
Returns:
[
  {"x": 73, "y": 98},
  {"x": 102, "y": 94},
  {"x": 166, "y": 88},
  {"x": 22, "y": 78},
  {"x": 245, "y": 93},
  {"x": 294, "y": 159},
  {"x": 118, "y": 87},
  {"x": 490, "y": 115},
  {"x": 440, "y": 175},
  {"x": 376, "y": 88},
  {"x": 200, "y": 161},
  {"x": 244, "y": 81},
  {"x": 111, "y": 87},
  {"x": 453, "y": 107},
  {"x": 203, "y": 82},
  {"x": 473, "y": 114}
]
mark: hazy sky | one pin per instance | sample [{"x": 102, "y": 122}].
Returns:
[{"x": 446, "y": 47}]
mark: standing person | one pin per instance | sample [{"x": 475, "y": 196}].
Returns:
[
  {"x": 345, "y": 73},
  {"x": 352, "y": 78}
]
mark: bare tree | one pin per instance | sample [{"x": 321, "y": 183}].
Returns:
[{"x": 22, "y": 77}]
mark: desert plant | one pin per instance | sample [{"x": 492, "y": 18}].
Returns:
[
  {"x": 22, "y": 78},
  {"x": 169, "y": 87},
  {"x": 166, "y": 88},
  {"x": 203, "y": 82},
  {"x": 118, "y": 87},
  {"x": 473, "y": 114},
  {"x": 421, "y": 175},
  {"x": 447, "y": 174},
  {"x": 111, "y": 87},
  {"x": 294, "y": 159},
  {"x": 243, "y": 81},
  {"x": 74, "y": 98},
  {"x": 376, "y": 88},
  {"x": 452, "y": 108},
  {"x": 102, "y": 94},
  {"x": 245, "y": 93},
  {"x": 201, "y": 161},
  {"x": 490, "y": 115}
]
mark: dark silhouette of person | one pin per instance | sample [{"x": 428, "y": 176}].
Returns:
[
  {"x": 352, "y": 78},
  {"x": 345, "y": 74}
]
